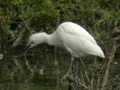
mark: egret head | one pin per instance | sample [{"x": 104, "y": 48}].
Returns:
[{"x": 37, "y": 38}]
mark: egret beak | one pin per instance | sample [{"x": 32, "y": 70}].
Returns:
[{"x": 28, "y": 46}]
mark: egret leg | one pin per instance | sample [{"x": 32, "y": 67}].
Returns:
[
  {"x": 83, "y": 64},
  {"x": 67, "y": 75},
  {"x": 71, "y": 66}
]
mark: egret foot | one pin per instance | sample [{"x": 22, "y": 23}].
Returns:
[{"x": 67, "y": 77}]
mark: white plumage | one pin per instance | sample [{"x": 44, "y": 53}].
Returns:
[{"x": 72, "y": 37}]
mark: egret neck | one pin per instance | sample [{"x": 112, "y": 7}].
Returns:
[{"x": 51, "y": 39}]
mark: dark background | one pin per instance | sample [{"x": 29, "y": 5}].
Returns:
[{"x": 21, "y": 69}]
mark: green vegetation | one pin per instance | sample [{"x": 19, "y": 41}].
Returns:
[{"x": 20, "y": 18}]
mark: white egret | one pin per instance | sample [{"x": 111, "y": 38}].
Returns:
[{"x": 70, "y": 36}]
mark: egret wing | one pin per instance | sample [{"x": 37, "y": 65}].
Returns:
[
  {"x": 75, "y": 29},
  {"x": 81, "y": 46},
  {"x": 79, "y": 43}
]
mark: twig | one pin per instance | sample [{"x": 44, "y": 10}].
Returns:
[
  {"x": 107, "y": 65},
  {"x": 22, "y": 34},
  {"x": 26, "y": 25}
]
